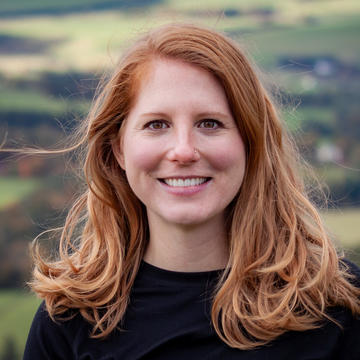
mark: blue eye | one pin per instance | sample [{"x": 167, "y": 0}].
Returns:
[
  {"x": 156, "y": 125},
  {"x": 209, "y": 124}
]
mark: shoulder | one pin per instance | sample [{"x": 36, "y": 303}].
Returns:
[
  {"x": 349, "y": 334},
  {"x": 49, "y": 339},
  {"x": 43, "y": 320},
  {"x": 350, "y": 322}
]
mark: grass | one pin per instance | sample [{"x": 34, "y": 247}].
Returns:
[
  {"x": 56, "y": 7},
  {"x": 17, "y": 309},
  {"x": 30, "y": 101},
  {"x": 286, "y": 8},
  {"x": 338, "y": 38},
  {"x": 296, "y": 118},
  {"x": 86, "y": 41},
  {"x": 90, "y": 41},
  {"x": 13, "y": 189},
  {"x": 344, "y": 224}
]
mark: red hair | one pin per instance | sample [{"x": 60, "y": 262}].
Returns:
[{"x": 283, "y": 271}]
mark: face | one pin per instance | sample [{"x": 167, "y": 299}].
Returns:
[{"x": 180, "y": 147}]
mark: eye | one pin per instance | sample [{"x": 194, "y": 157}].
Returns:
[
  {"x": 210, "y": 124},
  {"x": 156, "y": 125}
]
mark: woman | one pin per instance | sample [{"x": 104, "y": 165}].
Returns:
[{"x": 196, "y": 237}]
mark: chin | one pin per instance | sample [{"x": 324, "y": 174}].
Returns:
[{"x": 187, "y": 219}]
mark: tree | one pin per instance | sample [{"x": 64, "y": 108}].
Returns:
[{"x": 9, "y": 350}]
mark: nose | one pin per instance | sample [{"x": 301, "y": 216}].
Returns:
[{"x": 183, "y": 149}]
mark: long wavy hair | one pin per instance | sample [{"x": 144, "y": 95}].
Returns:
[{"x": 283, "y": 272}]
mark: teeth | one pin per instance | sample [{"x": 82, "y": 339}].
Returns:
[{"x": 185, "y": 182}]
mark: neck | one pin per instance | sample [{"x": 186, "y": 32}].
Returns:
[{"x": 187, "y": 248}]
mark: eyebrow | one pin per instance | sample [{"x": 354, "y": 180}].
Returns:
[
  {"x": 214, "y": 114},
  {"x": 154, "y": 114},
  {"x": 207, "y": 114}
]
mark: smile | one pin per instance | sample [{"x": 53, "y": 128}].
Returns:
[{"x": 178, "y": 182}]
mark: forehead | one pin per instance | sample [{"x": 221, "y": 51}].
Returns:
[{"x": 170, "y": 81}]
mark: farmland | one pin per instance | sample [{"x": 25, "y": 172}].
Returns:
[
  {"x": 14, "y": 189},
  {"x": 17, "y": 310},
  {"x": 52, "y": 55}
]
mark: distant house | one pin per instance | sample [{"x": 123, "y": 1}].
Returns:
[
  {"x": 328, "y": 152},
  {"x": 321, "y": 66}
]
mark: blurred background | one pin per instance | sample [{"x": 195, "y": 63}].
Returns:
[{"x": 53, "y": 53}]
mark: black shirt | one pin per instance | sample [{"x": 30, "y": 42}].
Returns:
[{"x": 169, "y": 318}]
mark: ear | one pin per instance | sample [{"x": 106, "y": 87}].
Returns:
[{"x": 117, "y": 148}]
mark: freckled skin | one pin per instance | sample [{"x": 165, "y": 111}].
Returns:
[{"x": 164, "y": 127}]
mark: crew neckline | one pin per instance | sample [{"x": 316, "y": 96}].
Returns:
[{"x": 198, "y": 277}]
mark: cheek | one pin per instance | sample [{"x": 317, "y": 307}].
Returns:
[
  {"x": 229, "y": 155},
  {"x": 140, "y": 157}
]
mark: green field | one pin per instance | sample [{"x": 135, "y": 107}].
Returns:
[
  {"x": 30, "y": 101},
  {"x": 91, "y": 41},
  {"x": 344, "y": 224},
  {"x": 96, "y": 38},
  {"x": 13, "y": 189},
  {"x": 39, "y": 5},
  {"x": 17, "y": 308}
]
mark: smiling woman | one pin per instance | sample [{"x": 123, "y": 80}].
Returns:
[
  {"x": 197, "y": 239},
  {"x": 183, "y": 155}
]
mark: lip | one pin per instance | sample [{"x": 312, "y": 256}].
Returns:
[
  {"x": 185, "y": 190},
  {"x": 183, "y": 177}
]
